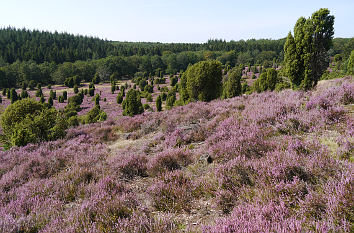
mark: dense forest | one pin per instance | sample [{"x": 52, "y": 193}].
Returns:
[{"x": 51, "y": 58}]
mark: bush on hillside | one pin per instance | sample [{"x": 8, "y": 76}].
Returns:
[{"x": 28, "y": 121}]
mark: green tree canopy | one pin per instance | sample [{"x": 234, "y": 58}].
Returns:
[
  {"x": 306, "y": 55},
  {"x": 132, "y": 104},
  {"x": 28, "y": 121},
  {"x": 202, "y": 81},
  {"x": 232, "y": 87}
]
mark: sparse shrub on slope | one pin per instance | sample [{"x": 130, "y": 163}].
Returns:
[
  {"x": 132, "y": 104},
  {"x": 232, "y": 87},
  {"x": 172, "y": 192},
  {"x": 172, "y": 159},
  {"x": 28, "y": 121},
  {"x": 202, "y": 81}
]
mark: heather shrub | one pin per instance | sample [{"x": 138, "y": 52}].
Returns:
[
  {"x": 131, "y": 165},
  {"x": 233, "y": 139},
  {"x": 172, "y": 192},
  {"x": 254, "y": 217},
  {"x": 185, "y": 135},
  {"x": 233, "y": 177},
  {"x": 169, "y": 160}
]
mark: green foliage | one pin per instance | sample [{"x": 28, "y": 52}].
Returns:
[
  {"x": 113, "y": 88},
  {"x": 92, "y": 85},
  {"x": 91, "y": 92},
  {"x": 61, "y": 99},
  {"x": 173, "y": 80},
  {"x": 164, "y": 96},
  {"x": 24, "y": 86},
  {"x": 96, "y": 79},
  {"x": 31, "y": 85},
  {"x": 4, "y": 91},
  {"x": 97, "y": 100},
  {"x": 202, "y": 81},
  {"x": 50, "y": 101},
  {"x": 42, "y": 100},
  {"x": 281, "y": 85},
  {"x": 142, "y": 84},
  {"x": 53, "y": 94},
  {"x": 260, "y": 84},
  {"x": 13, "y": 95},
  {"x": 0, "y": 99},
  {"x": 39, "y": 92},
  {"x": 232, "y": 87},
  {"x": 292, "y": 59},
  {"x": 94, "y": 115},
  {"x": 149, "y": 89},
  {"x": 28, "y": 121},
  {"x": 65, "y": 95},
  {"x": 159, "y": 103},
  {"x": 73, "y": 121},
  {"x": 120, "y": 98},
  {"x": 146, "y": 106},
  {"x": 132, "y": 104},
  {"x": 350, "y": 66},
  {"x": 74, "y": 102},
  {"x": 266, "y": 81},
  {"x": 76, "y": 89},
  {"x": 171, "y": 99},
  {"x": 69, "y": 82},
  {"x": 149, "y": 97},
  {"x": 306, "y": 54},
  {"x": 272, "y": 78}
]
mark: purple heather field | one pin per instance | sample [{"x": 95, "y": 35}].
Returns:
[{"x": 265, "y": 162}]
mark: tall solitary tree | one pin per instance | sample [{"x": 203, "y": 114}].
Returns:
[{"x": 306, "y": 54}]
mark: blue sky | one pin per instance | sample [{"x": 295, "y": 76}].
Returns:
[{"x": 172, "y": 20}]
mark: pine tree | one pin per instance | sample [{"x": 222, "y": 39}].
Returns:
[
  {"x": 50, "y": 101},
  {"x": 132, "y": 104},
  {"x": 232, "y": 87},
  {"x": 159, "y": 103},
  {"x": 13, "y": 95},
  {"x": 292, "y": 61},
  {"x": 65, "y": 95},
  {"x": 312, "y": 38}
]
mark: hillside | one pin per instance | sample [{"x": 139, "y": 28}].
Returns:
[{"x": 265, "y": 162}]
